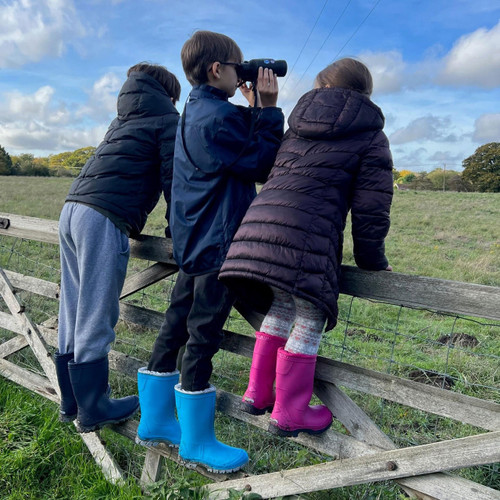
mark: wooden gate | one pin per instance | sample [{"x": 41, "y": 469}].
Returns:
[{"x": 363, "y": 455}]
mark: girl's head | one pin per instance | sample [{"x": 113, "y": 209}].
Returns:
[
  {"x": 167, "y": 79},
  {"x": 346, "y": 73}
]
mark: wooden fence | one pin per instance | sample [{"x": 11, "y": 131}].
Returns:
[{"x": 363, "y": 455}]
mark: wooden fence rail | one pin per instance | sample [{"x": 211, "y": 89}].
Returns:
[{"x": 365, "y": 455}]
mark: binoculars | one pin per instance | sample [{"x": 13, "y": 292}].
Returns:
[{"x": 248, "y": 70}]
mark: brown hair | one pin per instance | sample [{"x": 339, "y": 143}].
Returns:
[
  {"x": 346, "y": 73},
  {"x": 168, "y": 80},
  {"x": 202, "y": 50}
]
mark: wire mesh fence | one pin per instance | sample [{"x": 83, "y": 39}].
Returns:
[{"x": 452, "y": 352}]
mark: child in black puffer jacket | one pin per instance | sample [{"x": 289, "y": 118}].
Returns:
[{"x": 108, "y": 202}]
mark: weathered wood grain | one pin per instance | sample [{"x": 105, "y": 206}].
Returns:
[
  {"x": 29, "y": 330},
  {"x": 404, "y": 462},
  {"x": 147, "y": 277}
]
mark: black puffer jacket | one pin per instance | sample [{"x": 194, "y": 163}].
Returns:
[
  {"x": 333, "y": 158},
  {"x": 125, "y": 177}
]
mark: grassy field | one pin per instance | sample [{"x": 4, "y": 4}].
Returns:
[{"x": 444, "y": 235}]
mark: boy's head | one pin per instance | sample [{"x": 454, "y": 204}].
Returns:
[
  {"x": 203, "y": 50},
  {"x": 346, "y": 73},
  {"x": 168, "y": 80}
]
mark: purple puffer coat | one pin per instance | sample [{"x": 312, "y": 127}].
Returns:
[{"x": 334, "y": 157}]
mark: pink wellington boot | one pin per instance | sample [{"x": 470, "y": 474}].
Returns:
[
  {"x": 294, "y": 386},
  {"x": 259, "y": 396}
]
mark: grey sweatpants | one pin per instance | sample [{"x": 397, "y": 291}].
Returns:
[{"x": 94, "y": 258}]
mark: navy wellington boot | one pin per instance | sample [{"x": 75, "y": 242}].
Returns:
[
  {"x": 68, "y": 408},
  {"x": 199, "y": 446},
  {"x": 95, "y": 408},
  {"x": 156, "y": 395}
]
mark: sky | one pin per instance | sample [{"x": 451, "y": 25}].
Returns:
[{"x": 435, "y": 63}]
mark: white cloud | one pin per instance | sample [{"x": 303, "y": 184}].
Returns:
[
  {"x": 102, "y": 98},
  {"x": 487, "y": 128},
  {"x": 387, "y": 69},
  {"x": 474, "y": 60},
  {"x": 34, "y": 29},
  {"x": 40, "y": 122},
  {"x": 426, "y": 128},
  {"x": 37, "y": 107}
]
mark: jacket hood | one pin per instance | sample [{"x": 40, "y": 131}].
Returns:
[
  {"x": 141, "y": 96},
  {"x": 326, "y": 113}
]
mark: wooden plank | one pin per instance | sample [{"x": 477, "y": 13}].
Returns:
[
  {"x": 447, "y": 486},
  {"x": 141, "y": 316},
  {"x": 152, "y": 248},
  {"x": 422, "y": 292},
  {"x": 467, "y": 409},
  {"x": 33, "y": 285},
  {"x": 362, "y": 428},
  {"x": 103, "y": 457},
  {"x": 353, "y": 418},
  {"x": 8, "y": 322},
  {"x": 151, "y": 471},
  {"x": 31, "y": 228},
  {"x": 28, "y": 379},
  {"x": 147, "y": 277},
  {"x": 29, "y": 330},
  {"x": 387, "y": 465},
  {"x": 13, "y": 345}
]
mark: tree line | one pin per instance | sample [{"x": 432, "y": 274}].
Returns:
[{"x": 481, "y": 171}]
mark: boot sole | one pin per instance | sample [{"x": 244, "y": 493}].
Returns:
[
  {"x": 83, "y": 429},
  {"x": 151, "y": 443},
  {"x": 278, "y": 431},
  {"x": 253, "y": 410},
  {"x": 192, "y": 465},
  {"x": 66, "y": 418}
]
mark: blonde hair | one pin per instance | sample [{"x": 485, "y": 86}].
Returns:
[{"x": 346, "y": 73}]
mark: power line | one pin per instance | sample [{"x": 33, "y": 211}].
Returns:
[
  {"x": 358, "y": 28},
  {"x": 323, "y": 44},
  {"x": 305, "y": 43}
]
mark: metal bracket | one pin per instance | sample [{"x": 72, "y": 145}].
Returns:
[{"x": 4, "y": 223}]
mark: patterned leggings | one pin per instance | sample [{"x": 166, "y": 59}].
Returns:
[{"x": 309, "y": 322}]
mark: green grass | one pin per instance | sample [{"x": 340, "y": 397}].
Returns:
[{"x": 443, "y": 235}]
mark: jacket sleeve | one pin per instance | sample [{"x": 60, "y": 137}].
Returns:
[
  {"x": 261, "y": 147},
  {"x": 371, "y": 204},
  {"x": 166, "y": 142}
]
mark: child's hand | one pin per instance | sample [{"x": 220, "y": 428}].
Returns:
[
  {"x": 267, "y": 88},
  {"x": 388, "y": 268},
  {"x": 247, "y": 93}
]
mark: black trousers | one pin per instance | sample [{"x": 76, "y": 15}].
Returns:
[{"x": 198, "y": 310}]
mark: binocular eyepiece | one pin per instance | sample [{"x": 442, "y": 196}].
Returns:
[{"x": 249, "y": 70}]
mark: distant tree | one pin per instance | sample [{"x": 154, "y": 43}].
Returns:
[
  {"x": 395, "y": 174},
  {"x": 27, "y": 164},
  {"x": 441, "y": 179},
  {"x": 408, "y": 178},
  {"x": 482, "y": 169},
  {"x": 79, "y": 157},
  {"x": 419, "y": 181},
  {"x": 70, "y": 163},
  {"x": 5, "y": 162}
]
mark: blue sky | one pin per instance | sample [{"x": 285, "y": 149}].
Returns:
[{"x": 436, "y": 64}]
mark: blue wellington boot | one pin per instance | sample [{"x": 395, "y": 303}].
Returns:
[
  {"x": 156, "y": 396},
  {"x": 68, "y": 408},
  {"x": 199, "y": 446},
  {"x": 95, "y": 408}
]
